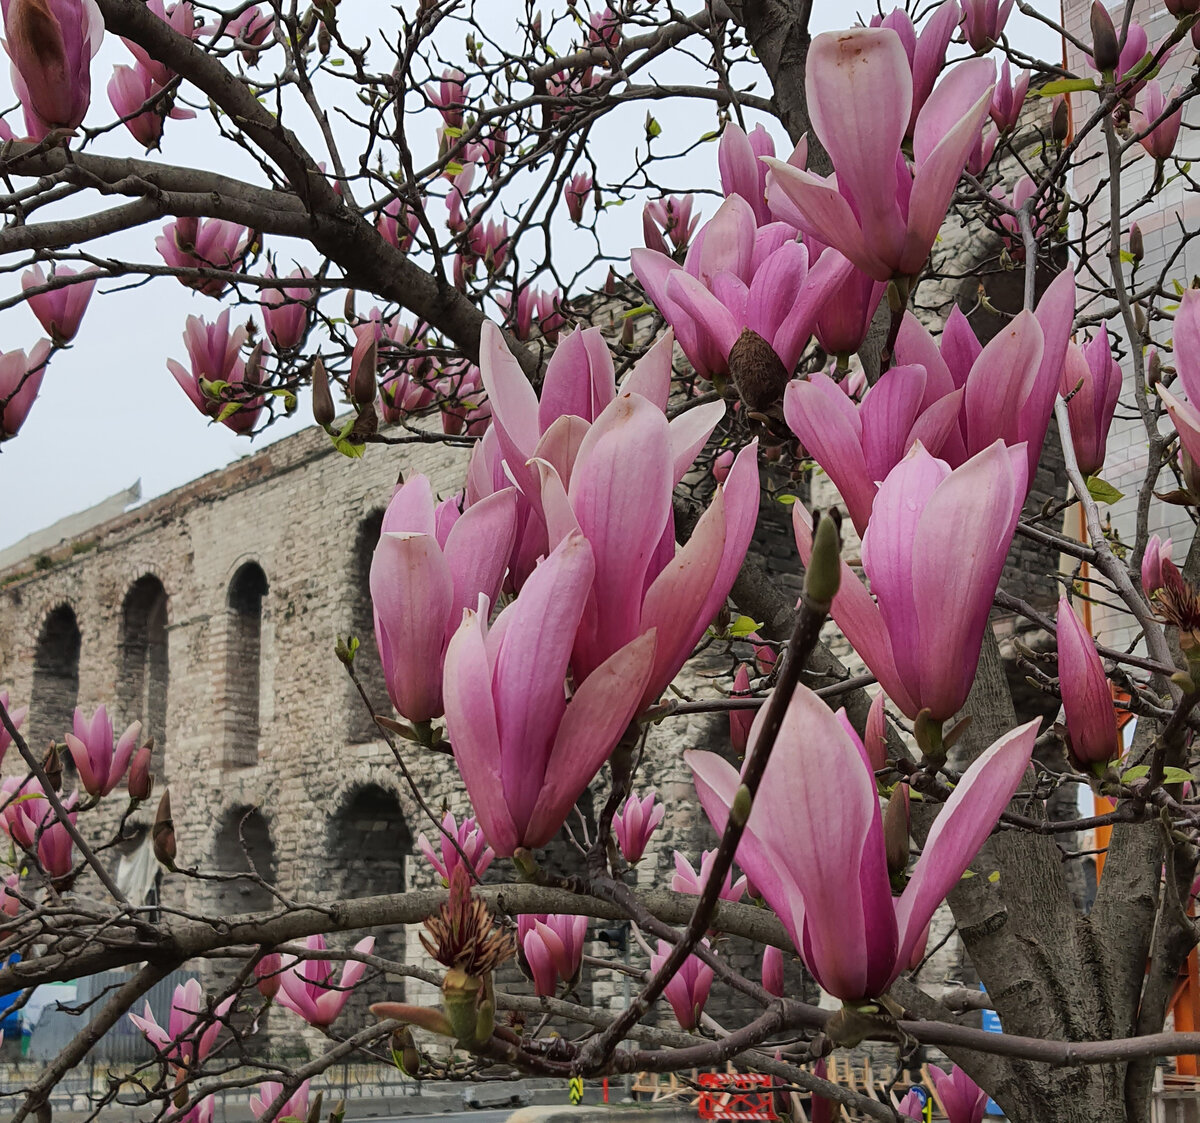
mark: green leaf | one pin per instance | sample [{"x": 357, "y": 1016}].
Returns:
[
  {"x": 1177, "y": 776},
  {"x": 994, "y": 876},
  {"x": 453, "y": 168},
  {"x": 742, "y": 627},
  {"x": 1068, "y": 86},
  {"x": 1127, "y": 257},
  {"x": 1138, "y": 772},
  {"x": 347, "y": 447},
  {"x": 337, "y": 62},
  {"x": 640, "y": 310},
  {"x": 709, "y": 136},
  {"x": 787, "y": 500},
  {"x": 451, "y": 131},
  {"x": 1102, "y": 491},
  {"x": 653, "y": 128},
  {"x": 229, "y": 410}
]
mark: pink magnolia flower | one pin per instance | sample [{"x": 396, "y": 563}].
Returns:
[
  {"x": 1157, "y": 551},
  {"x": 215, "y": 357},
  {"x": 926, "y": 52},
  {"x": 858, "y": 444},
  {"x": 212, "y": 243},
  {"x": 1158, "y": 131},
  {"x": 404, "y": 389},
  {"x": 1023, "y": 191},
  {"x": 421, "y": 584},
  {"x": 463, "y": 400},
  {"x": 51, "y": 44},
  {"x": 740, "y": 720},
  {"x": 877, "y": 211},
  {"x": 308, "y": 988},
  {"x": 16, "y": 715},
  {"x": 962, "y": 1098},
  {"x": 101, "y": 766},
  {"x": 635, "y": 822},
  {"x": 578, "y": 387},
  {"x": 845, "y": 316},
  {"x": 1008, "y": 98},
  {"x": 27, "y": 817},
  {"x": 742, "y": 172},
  {"x": 190, "y": 1033},
  {"x": 470, "y": 840},
  {"x": 605, "y": 27},
  {"x": 686, "y": 879},
  {"x": 10, "y": 901},
  {"x": 130, "y": 88},
  {"x": 672, "y": 216},
  {"x": 20, "y": 381},
  {"x": 450, "y": 96},
  {"x": 772, "y": 970},
  {"x": 1008, "y": 388},
  {"x": 1086, "y": 695},
  {"x": 489, "y": 242},
  {"x": 982, "y": 151},
  {"x": 251, "y": 27},
  {"x": 1186, "y": 341},
  {"x": 983, "y": 22},
  {"x": 397, "y": 225},
  {"x": 911, "y": 1107},
  {"x": 722, "y": 463},
  {"x": 267, "y": 973},
  {"x": 531, "y": 303},
  {"x": 182, "y": 19},
  {"x": 737, "y": 276},
  {"x": 294, "y": 1107},
  {"x": 461, "y": 183},
  {"x": 1092, "y": 378},
  {"x": 687, "y": 992},
  {"x": 553, "y": 948},
  {"x": 55, "y": 847},
  {"x": 285, "y": 310},
  {"x": 579, "y": 190},
  {"x": 821, "y": 866},
  {"x": 60, "y": 310},
  {"x": 619, "y": 497},
  {"x": 525, "y": 752},
  {"x": 933, "y": 551}
]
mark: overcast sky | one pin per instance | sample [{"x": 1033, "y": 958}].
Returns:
[{"x": 110, "y": 413}]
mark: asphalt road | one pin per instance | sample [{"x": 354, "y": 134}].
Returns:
[{"x": 481, "y": 1116}]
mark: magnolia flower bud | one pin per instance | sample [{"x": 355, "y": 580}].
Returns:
[
  {"x": 162, "y": 834},
  {"x": 52, "y": 766},
  {"x": 1137, "y": 249},
  {"x": 1060, "y": 119},
  {"x": 1106, "y": 51},
  {"x": 322, "y": 399},
  {"x": 1153, "y": 367},
  {"x": 824, "y": 571},
  {"x": 757, "y": 372},
  {"x": 267, "y": 972},
  {"x": 362, "y": 378},
  {"x": 140, "y": 782},
  {"x": 895, "y": 832}
]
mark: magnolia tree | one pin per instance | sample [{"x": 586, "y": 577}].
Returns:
[{"x": 533, "y": 622}]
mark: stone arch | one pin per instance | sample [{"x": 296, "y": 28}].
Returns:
[
  {"x": 242, "y": 843},
  {"x": 367, "y": 665},
  {"x": 55, "y": 689},
  {"x": 142, "y": 686},
  {"x": 243, "y": 664},
  {"x": 369, "y": 846}
]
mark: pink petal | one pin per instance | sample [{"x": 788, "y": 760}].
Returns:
[
  {"x": 474, "y": 733},
  {"x": 961, "y": 828}
]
